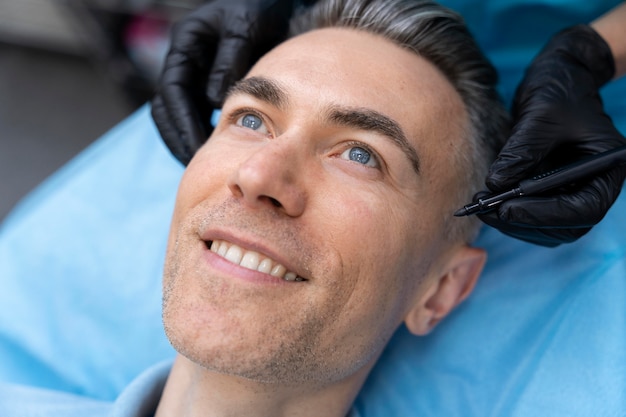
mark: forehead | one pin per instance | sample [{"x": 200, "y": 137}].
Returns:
[{"x": 354, "y": 59}]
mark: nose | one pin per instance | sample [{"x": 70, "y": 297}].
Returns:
[{"x": 270, "y": 178}]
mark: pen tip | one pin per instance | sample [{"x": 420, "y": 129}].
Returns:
[{"x": 460, "y": 212}]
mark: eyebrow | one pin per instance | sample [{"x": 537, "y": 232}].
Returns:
[
  {"x": 359, "y": 118},
  {"x": 261, "y": 88}
]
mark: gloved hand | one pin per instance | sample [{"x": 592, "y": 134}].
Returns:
[
  {"x": 558, "y": 118},
  {"x": 211, "y": 48}
]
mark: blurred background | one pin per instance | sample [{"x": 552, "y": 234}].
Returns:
[{"x": 69, "y": 71}]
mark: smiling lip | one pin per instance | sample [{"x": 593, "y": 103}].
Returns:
[{"x": 252, "y": 260}]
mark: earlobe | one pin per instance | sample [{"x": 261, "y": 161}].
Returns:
[{"x": 452, "y": 285}]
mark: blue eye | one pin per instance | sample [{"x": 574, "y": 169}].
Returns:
[
  {"x": 360, "y": 155},
  {"x": 251, "y": 121}
]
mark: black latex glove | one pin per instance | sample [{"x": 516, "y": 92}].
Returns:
[
  {"x": 211, "y": 48},
  {"x": 558, "y": 118}
]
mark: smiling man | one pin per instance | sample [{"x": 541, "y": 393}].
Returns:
[{"x": 318, "y": 217}]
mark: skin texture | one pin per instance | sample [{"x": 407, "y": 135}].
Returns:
[{"x": 366, "y": 239}]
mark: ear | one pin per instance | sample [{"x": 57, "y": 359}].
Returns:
[{"x": 451, "y": 285}]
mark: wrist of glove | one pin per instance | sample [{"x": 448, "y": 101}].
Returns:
[{"x": 558, "y": 118}]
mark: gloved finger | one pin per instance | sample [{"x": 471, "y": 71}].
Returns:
[
  {"x": 191, "y": 115},
  {"x": 245, "y": 38},
  {"x": 231, "y": 63},
  {"x": 547, "y": 212},
  {"x": 186, "y": 108},
  {"x": 180, "y": 123},
  {"x": 191, "y": 55},
  {"x": 169, "y": 132},
  {"x": 559, "y": 218},
  {"x": 194, "y": 39},
  {"x": 534, "y": 139},
  {"x": 548, "y": 237},
  {"x": 584, "y": 207}
]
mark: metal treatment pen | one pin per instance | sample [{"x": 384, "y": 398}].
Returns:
[{"x": 559, "y": 177}]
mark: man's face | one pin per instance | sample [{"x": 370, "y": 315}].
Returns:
[{"x": 324, "y": 189}]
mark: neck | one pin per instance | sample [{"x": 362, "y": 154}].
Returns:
[{"x": 192, "y": 390}]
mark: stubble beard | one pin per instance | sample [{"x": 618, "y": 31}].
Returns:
[{"x": 293, "y": 356}]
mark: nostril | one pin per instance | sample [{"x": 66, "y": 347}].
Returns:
[{"x": 275, "y": 202}]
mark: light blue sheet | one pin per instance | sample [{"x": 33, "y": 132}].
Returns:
[
  {"x": 544, "y": 333},
  {"x": 80, "y": 267}
]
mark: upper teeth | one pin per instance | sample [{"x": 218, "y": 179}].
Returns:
[{"x": 252, "y": 260}]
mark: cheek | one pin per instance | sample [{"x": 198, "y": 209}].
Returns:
[
  {"x": 205, "y": 176},
  {"x": 367, "y": 228},
  {"x": 379, "y": 256}
]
